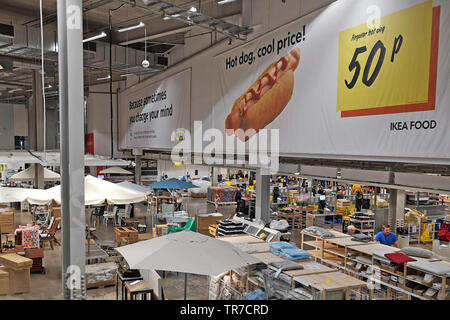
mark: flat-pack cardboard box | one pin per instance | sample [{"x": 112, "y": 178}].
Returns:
[
  {"x": 310, "y": 220},
  {"x": 4, "y": 281},
  {"x": 162, "y": 229},
  {"x": 19, "y": 281}
]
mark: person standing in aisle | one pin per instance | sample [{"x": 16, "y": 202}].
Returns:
[
  {"x": 321, "y": 190},
  {"x": 387, "y": 237},
  {"x": 358, "y": 201},
  {"x": 238, "y": 199},
  {"x": 179, "y": 202},
  {"x": 275, "y": 194},
  {"x": 351, "y": 230}
]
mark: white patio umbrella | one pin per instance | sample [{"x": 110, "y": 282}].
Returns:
[
  {"x": 134, "y": 187},
  {"x": 22, "y": 194},
  {"x": 187, "y": 252},
  {"x": 29, "y": 175},
  {"x": 96, "y": 192},
  {"x": 116, "y": 170}
]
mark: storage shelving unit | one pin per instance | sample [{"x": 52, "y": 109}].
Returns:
[
  {"x": 364, "y": 225},
  {"x": 415, "y": 275}
]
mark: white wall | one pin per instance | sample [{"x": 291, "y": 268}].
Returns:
[
  {"x": 167, "y": 167},
  {"x": 98, "y": 115},
  {"x": 20, "y": 120},
  {"x": 52, "y": 124},
  {"x": 7, "y": 126}
]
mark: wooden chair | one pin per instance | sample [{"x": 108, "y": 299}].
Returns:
[{"x": 49, "y": 234}]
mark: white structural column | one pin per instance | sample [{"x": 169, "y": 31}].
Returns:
[
  {"x": 397, "y": 202},
  {"x": 138, "y": 169},
  {"x": 70, "y": 53},
  {"x": 262, "y": 211},
  {"x": 36, "y": 126},
  {"x": 214, "y": 181}
]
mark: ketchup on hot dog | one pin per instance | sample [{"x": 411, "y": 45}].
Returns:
[{"x": 256, "y": 94}]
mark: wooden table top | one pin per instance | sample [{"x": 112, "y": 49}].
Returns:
[
  {"x": 330, "y": 281},
  {"x": 336, "y": 234},
  {"x": 242, "y": 239},
  {"x": 267, "y": 257},
  {"x": 369, "y": 249},
  {"x": 261, "y": 247},
  {"x": 139, "y": 287},
  {"x": 14, "y": 261},
  {"x": 347, "y": 242},
  {"x": 309, "y": 267}
]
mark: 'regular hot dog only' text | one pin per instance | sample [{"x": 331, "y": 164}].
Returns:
[{"x": 265, "y": 100}]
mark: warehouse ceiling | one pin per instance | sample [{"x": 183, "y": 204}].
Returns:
[{"x": 166, "y": 25}]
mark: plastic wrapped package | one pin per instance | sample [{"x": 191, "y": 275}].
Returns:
[
  {"x": 202, "y": 187},
  {"x": 256, "y": 295},
  {"x": 288, "y": 251},
  {"x": 320, "y": 232},
  {"x": 100, "y": 272},
  {"x": 244, "y": 247},
  {"x": 279, "y": 225}
]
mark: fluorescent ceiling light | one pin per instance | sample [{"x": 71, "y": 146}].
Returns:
[
  {"x": 193, "y": 9},
  {"x": 14, "y": 90},
  {"x": 175, "y": 15},
  {"x": 101, "y": 35},
  {"x": 140, "y": 25},
  {"x": 166, "y": 18},
  {"x": 105, "y": 78},
  {"x": 126, "y": 74},
  {"x": 225, "y": 1}
]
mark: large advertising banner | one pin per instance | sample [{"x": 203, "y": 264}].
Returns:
[
  {"x": 155, "y": 111},
  {"x": 363, "y": 79}
]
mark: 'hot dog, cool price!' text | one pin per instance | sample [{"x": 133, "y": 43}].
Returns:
[{"x": 271, "y": 48}]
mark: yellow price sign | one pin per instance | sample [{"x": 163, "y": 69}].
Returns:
[{"x": 388, "y": 69}]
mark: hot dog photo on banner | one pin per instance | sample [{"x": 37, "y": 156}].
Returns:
[{"x": 266, "y": 99}]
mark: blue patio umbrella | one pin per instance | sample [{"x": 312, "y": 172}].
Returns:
[{"x": 173, "y": 184}]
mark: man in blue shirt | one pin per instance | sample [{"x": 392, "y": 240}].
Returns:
[{"x": 387, "y": 237}]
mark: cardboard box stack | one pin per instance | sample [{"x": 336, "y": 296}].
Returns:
[
  {"x": 343, "y": 203},
  {"x": 4, "y": 281},
  {"x": 204, "y": 220},
  {"x": 7, "y": 221},
  {"x": 18, "y": 268},
  {"x": 162, "y": 229}
]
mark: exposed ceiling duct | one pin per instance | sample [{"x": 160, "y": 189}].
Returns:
[
  {"x": 172, "y": 11},
  {"x": 20, "y": 47},
  {"x": 26, "y": 43}
]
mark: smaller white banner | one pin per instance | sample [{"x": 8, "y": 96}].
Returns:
[{"x": 154, "y": 112}]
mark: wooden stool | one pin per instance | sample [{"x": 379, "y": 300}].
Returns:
[{"x": 141, "y": 288}]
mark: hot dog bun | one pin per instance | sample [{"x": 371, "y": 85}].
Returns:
[{"x": 266, "y": 99}]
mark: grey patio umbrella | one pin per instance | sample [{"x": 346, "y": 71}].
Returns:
[{"x": 187, "y": 252}]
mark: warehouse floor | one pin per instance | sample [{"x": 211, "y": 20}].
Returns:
[{"x": 48, "y": 285}]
